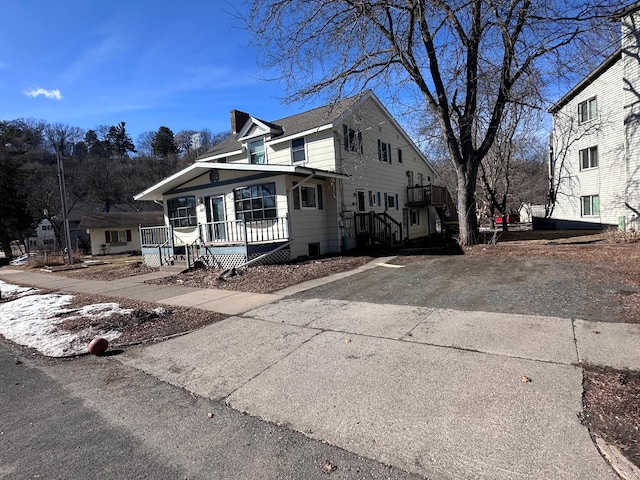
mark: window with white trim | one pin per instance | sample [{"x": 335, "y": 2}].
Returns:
[
  {"x": 587, "y": 110},
  {"x": 588, "y": 158},
  {"x": 391, "y": 201},
  {"x": 307, "y": 197},
  {"x": 182, "y": 211},
  {"x": 399, "y": 155},
  {"x": 256, "y": 152},
  {"x": 117, "y": 237},
  {"x": 590, "y": 205},
  {"x": 255, "y": 202},
  {"x": 298, "y": 154}
]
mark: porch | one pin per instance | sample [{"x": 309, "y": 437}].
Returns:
[
  {"x": 223, "y": 245},
  {"x": 437, "y": 197},
  {"x": 377, "y": 229}
]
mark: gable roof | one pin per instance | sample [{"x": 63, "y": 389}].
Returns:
[
  {"x": 122, "y": 219},
  {"x": 586, "y": 81},
  {"x": 294, "y": 124}
]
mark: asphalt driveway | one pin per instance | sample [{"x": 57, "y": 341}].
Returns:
[{"x": 541, "y": 286}]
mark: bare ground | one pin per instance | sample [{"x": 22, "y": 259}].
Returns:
[{"x": 611, "y": 398}]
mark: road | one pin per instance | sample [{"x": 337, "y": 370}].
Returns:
[{"x": 92, "y": 417}]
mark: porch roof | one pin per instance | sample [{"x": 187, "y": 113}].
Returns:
[{"x": 192, "y": 171}]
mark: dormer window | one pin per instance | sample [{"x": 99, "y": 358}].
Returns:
[{"x": 256, "y": 152}]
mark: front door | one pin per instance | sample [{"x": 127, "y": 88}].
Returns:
[{"x": 219, "y": 218}]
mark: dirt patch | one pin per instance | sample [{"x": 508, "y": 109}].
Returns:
[
  {"x": 266, "y": 278},
  {"x": 145, "y": 323},
  {"x": 611, "y": 404},
  {"x": 111, "y": 270}
]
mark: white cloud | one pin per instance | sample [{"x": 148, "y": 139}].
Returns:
[{"x": 51, "y": 94}]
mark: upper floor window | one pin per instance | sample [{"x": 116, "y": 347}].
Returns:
[
  {"x": 352, "y": 139},
  {"x": 589, "y": 158},
  {"x": 182, "y": 211},
  {"x": 256, "y": 152},
  {"x": 384, "y": 151},
  {"x": 255, "y": 202},
  {"x": 297, "y": 150},
  {"x": 590, "y": 205},
  {"x": 399, "y": 155},
  {"x": 587, "y": 110}
]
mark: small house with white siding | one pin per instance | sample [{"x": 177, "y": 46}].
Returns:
[
  {"x": 117, "y": 232},
  {"x": 324, "y": 181},
  {"x": 595, "y": 148}
]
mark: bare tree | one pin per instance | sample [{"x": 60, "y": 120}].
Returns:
[{"x": 461, "y": 60}]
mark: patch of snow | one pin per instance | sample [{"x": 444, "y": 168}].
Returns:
[
  {"x": 31, "y": 320},
  {"x": 8, "y": 290}
]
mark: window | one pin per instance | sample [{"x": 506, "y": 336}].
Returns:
[
  {"x": 589, "y": 158},
  {"x": 384, "y": 151},
  {"x": 297, "y": 150},
  {"x": 587, "y": 110},
  {"x": 373, "y": 200},
  {"x": 391, "y": 201},
  {"x": 415, "y": 217},
  {"x": 256, "y": 152},
  {"x": 255, "y": 202},
  {"x": 399, "y": 155},
  {"x": 590, "y": 205},
  {"x": 117, "y": 237},
  {"x": 307, "y": 197},
  {"x": 182, "y": 211},
  {"x": 352, "y": 139},
  {"x": 47, "y": 227}
]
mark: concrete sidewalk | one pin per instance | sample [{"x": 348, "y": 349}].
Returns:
[{"x": 442, "y": 393}]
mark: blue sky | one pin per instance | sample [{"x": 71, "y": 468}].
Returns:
[{"x": 184, "y": 65}]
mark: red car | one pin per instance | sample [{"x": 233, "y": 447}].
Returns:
[{"x": 510, "y": 217}]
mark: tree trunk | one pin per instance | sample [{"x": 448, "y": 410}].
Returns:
[{"x": 467, "y": 217}]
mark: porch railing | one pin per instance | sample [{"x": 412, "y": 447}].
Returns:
[
  {"x": 245, "y": 231},
  {"x": 379, "y": 227},
  {"x": 423, "y": 195},
  {"x": 153, "y": 236}
]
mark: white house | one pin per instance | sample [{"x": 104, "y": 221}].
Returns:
[
  {"x": 323, "y": 181},
  {"x": 595, "y": 154},
  {"x": 44, "y": 238},
  {"x": 117, "y": 232}
]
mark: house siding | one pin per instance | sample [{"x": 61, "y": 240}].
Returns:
[
  {"x": 617, "y": 179},
  {"x": 605, "y": 133},
  {"x": 368, "y": 173}
]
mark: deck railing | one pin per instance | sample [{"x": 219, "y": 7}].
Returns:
[
  {"x": 155, "y": 235},
  {"x": 245, "y": 231}
]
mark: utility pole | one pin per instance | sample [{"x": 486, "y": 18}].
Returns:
[{"x": 63, "y": 198}]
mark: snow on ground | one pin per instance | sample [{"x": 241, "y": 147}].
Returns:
[{"x": 30, "y": 319}]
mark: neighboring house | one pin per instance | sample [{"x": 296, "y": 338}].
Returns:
[
  {"x": 595, "y": 154},
  {"x": 117, "y": 232},
  {"x": 44, "y": 238},
  {"x": 319, "y": 182}
]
